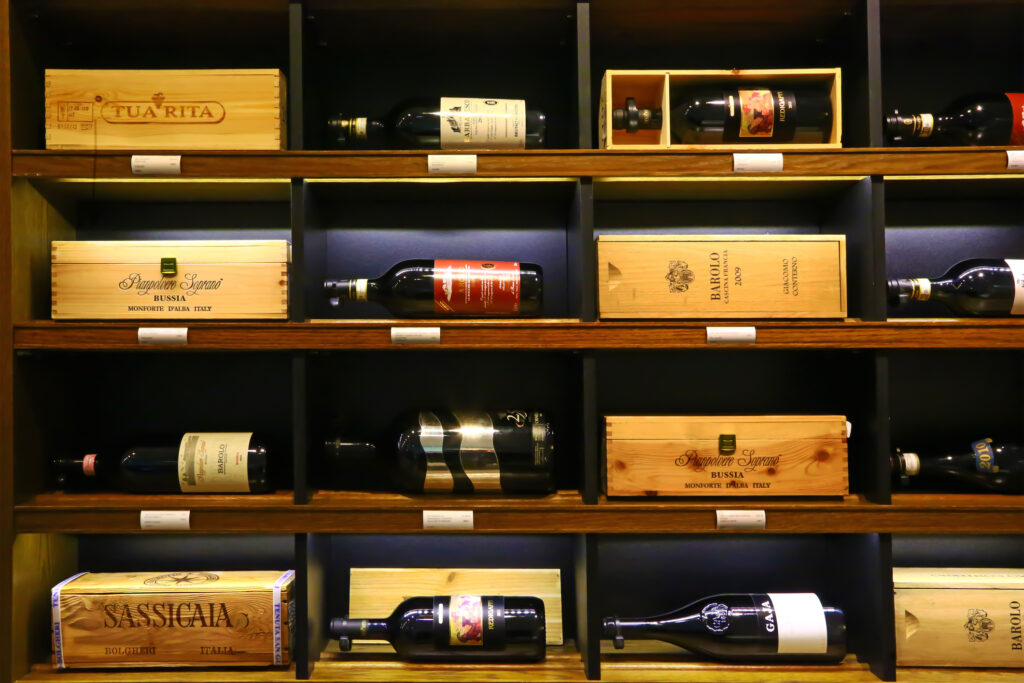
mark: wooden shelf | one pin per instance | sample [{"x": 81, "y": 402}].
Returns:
[
  {"x": 379, "y": 663},
  {"x": 558, "y": 513},
  {"x": 534, "y": 163},
  {"x": 45, "y": 673},
  {"x": 537, "y": 334}
]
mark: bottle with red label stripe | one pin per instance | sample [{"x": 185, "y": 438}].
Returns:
[
  {"x": 988, "y": 119},
  {"x": 449, "y": 287},
  {"x": 763, "y": 627}
]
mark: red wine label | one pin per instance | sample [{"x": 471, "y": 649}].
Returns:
[
  {"x": 214, "y": 462},
  {"x": 89, "y": 465},
  {"x": 474, "y": 123},
  {"x": 1017, "y": 271},
  {"x": 1017, "y": 105},
  {"x": 757, "y": 113},
  {"x": 984, "y": 456},
  {"x": 488, "y": 287},
  {"x": 466, "y": 620}
]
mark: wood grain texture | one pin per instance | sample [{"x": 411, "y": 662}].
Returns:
[
  {"x": 36, "y": 221},
  {"x": 11, "y": 665},
  {"x": 45, "y": 673},
  {"x": 659, "y": 664},
  {"x": 375, "y": 591},
  {"x": 542, "y": 163},
  {"x": 40, "y": 562}
]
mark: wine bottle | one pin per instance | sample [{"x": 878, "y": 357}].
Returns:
[
  {"x": 986, "y": 119},
  {"x": 990, "y": 466},
  {"x": 468, "y": 628},
  {"x": 724, "y": 114},
  {"x": 203, "y": 462},
  {"x": 985, "y": 287},
  {"x": 440, "y": 451},
  {"x": 449, "y": 287},
  {"x": 445, "y": 123},
  {"x": 745, "y": 627}
]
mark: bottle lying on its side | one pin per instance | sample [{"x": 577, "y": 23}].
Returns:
[
  {"x": 976, "y": 287},
  {"x": 984, "y": 119},
  {"x": 742, "y": 627},
  {"x": 458, "y": 628},
  {"x": 459, "y": 451},
  {"x": 990, "y": 466}
]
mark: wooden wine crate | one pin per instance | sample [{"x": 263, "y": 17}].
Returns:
[
  {"x": 963, "y": 617},
  {"x": 375, "y": 592},
  {"x": 170, "y": 279},
  {"x": 161, "y": 109},
  {"x": 651, "y": 90},
  {"x": 727, "y": 455},
  {"x": 149, "y": 619},
  {"x": 721, "y": 276}
]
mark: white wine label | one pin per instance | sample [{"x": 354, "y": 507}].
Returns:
[
  {"x": 165, "y": 520},
  {"x": 448, "y": 519},
  {"x": 164, "y": 336},
  {"x": 214, "y": 462},
  {"x": 58, "y": 634},
  {"x": 927, "y": 125},
  {"x": 800, "y": 620},
  {"x": 1017, "y": 269},
  {"x": 1014, "y": 159},
  {"x": 731, "y": 335},
  {"x": 415, "y": 335},
  {"x": 156, "y": 164},
  {"x": 455, "y": 164},
  {"x": 475, "y": 123},
  {"x": 757, "y": 162},
  {"x": 740, "y": 519}
]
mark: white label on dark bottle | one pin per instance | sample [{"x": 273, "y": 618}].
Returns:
[
  {"x": 475, "y": 123},
  {"x": 1017, "y": 270},
  {"x": 800, "y": 620},
  {"x": 927, "y": 125},
  {"x": 214, "y": 462},
  {"x": 360, "y": 128}
]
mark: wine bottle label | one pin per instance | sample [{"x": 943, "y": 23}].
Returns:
[
  {"x": 361, "y": 285},
  {"x": 89, "y": 465},
  {"x": 490, "y": 287},
  {"x": 922, "y": 289},
  {"x": 473, "y": 123},
  {"x": 764, "y": 114},
  {"x": 798, "y": 620},
  {"x": 359, "y": 128},
  {"x": 984, "y": 456},
  {"x": 214, "y": 462},
  {"x": 1017, "y": 270},
  {"x": 471, "y": 620},
  {"x": 476, "y": 451},
  {"x": 438, "y": 476},
  {"x": 1017, "y": 106}
]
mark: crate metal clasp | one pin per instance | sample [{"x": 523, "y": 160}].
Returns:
[
  {"x": 726, "y": 444},
  {"x": 169, "y": 266}
]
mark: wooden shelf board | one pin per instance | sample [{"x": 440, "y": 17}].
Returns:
[
  {"x": 950, "y": 675},
  {"x": 379, "y": 663},
  {"x": 45, "y": 673},
  {"x": 536, "y": 334},
  {"x": 513, "y": 163}
]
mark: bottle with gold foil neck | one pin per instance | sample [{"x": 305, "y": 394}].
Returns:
[{"x": 975, "y": 287}]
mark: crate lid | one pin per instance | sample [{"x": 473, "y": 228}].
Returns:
[
  {"x": 661, "y": 427},
  {"x": 722, "y": 238},
  {"x": 175, "y": 582},
  {"x": 957, "y": 577},
  {"x": 185, "y": 251}
]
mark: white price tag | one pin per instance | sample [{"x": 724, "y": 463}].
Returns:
[
  {"x": 740, "y": 519},
  {"x": 760, "y": 162},
  {"x": 415, "y": 335},
  {"x": 451, "y": 163},
  {"x": 448, "y": 519},
  {"x": 849, "y": 429},
  {"x": 164, "y": 520},
  {"x": 156, "y": 164},
  {"x": 1014, "y": 159},
  {"x": 164, "y": 336},
  {"x": 732, "y": 335}
]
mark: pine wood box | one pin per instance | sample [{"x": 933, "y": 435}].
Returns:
[
  {"x": 728, "y": 455},
  {"x": 962, "y": 617},
  {"x": 651, "y": 90},
  {"x": 160, "y": 109},
  {"x": 152, "y": 619},
  {"x": 170, "y": 279},
  {"x": 721, "y": 276}
]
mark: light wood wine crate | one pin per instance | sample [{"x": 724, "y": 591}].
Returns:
[
  {"x": 652, "y": 90},
  {"x": 721, "y": 276},
  {"x": 741, "y": 455},
  {"x": 211, "y": 279},
  {"x": 375, "y": 592},
  {"x": 173, "y": 619},
  {"x": 165, "y": 109},
  {"x": 959, "y": 617}
]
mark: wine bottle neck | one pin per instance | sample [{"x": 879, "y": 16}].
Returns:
[
  {"x": 360, "y": 289},
  {"x": 620, "y": 630},
  {"x": 360, "y": 629},
  {"x": 914, "y": 126}
]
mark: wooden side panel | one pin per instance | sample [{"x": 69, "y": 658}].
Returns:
[
  {"x": 165, "y": 109},
  {"x": 375, "y": 592},
  {"x": 40, "y": 562},
  {"x": 36, "y": 222}
]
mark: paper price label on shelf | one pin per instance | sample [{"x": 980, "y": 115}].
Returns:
[
  {"x": 163, "y": 336},
  {"x": 415, "y": 335},
  {"x": 448, "y": 519},
  {"x": 760, "y": 162},
  {"x": 849, "y": 429},
  {"x": 732, "y": 335},
  {"x": 1014, "y": 159},
  {"x": 164, "y": 520},
  {"x": 740, "y": 519},
  {"x": 156, "y": 164},
  {"x": 451, "y": 163}
]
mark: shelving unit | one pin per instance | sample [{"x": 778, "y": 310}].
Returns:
[{"x": 920, "y": 380}]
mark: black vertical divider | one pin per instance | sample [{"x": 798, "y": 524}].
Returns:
[
  {"x": 873, "y": 23},
  {"x": 591, "y": 487},
  {"x": 588, "y": 620},
  {"x": 295, "y": 74},
  {"x": 885, "y": 665},
  {"x": 583, "y": 102},
  {"x": 316, "y": 556},
  {"x": 580, "y": 253}
]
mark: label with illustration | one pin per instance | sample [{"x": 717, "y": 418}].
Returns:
[
  {"x": 1017, "y": 270},
  {"x": 486, "y": 287},
  {"x": 764, "y": 113},
  {"x": 475, "y": 123},
  {"x": 1017, "y": 106},
  {"x": 466, "y": 620},
  {"x": 214, "y": 462}
]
